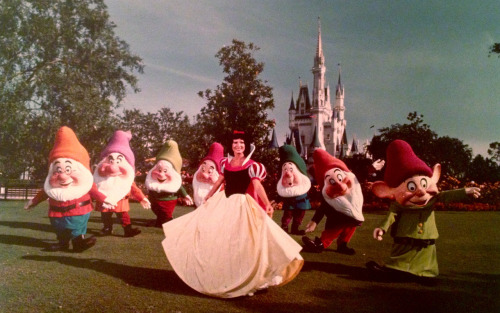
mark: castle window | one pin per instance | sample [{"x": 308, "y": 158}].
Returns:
[{"x": 327, "y": 137}]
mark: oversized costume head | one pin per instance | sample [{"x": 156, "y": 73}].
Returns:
[
  {"x": 115, "y": 173},
  {"x": 407, "y": 180},
  {"x": 165, "y": 176},
  {"x": 339, "y": 186},
  {"x": 208, "y": 172},
  {"x": 294, "y": 181},
  {"x": 69, "y": 174}
]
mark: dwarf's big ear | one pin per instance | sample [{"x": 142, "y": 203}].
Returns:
[
  {"x": 436, "y": 173},
  {"x": 382, "y": 190}
]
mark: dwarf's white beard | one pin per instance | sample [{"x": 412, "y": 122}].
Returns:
[
  {"x": 350, "y": 204},
  {"x": 288, "y": 192},
  {"x": 115, "y": 187},
  {"x": 200, "y": 189},
  {"x": 172, "y": 186},
  {"x": 73, "y": 192}
]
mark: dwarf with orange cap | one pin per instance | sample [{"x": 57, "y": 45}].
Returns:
[
  {"x": 69, "y": 187},
  {"x": 412, "y": 184},
  {"x": 207, "y": 174},
  {"x": 342, "y": 204},
  {"x": 114, "y": 177},
  {"x": 164, "y": 183}
]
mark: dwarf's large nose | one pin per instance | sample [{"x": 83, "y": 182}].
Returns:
[
  {"x": 420, "y": 192},
  {"x": 63, "y": 177}
]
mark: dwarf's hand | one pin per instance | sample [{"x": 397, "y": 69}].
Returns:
[
  {"x": 187, "y": 201},
  {"x": 378, "y": 165},
  {"x": 473, "y": 191},
  {"x": 29, "y": 205},
  {"x": 269, "y": 210},
  {"x": 110, "y": 201},
  {"x": 311, "y": 226},
  {"x": 108, "y": 206},
  {"x": 378, "y": 233},
  {"x": 146, "y": 204}
]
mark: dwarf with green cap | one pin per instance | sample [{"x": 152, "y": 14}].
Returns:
[
  {"x": 293, "y": 187},
  {"x": 164, "y": 183}
]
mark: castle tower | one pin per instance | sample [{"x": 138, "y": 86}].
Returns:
[{"x": 317, "y": 124}]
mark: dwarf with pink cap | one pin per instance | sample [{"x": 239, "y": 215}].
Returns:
[
  {"x": 342, "y": 203},
  {"x": 114, "y": 176},
  {"x": 412, "y": 185},
  {"x": 208, "y": 173},
  {"x": 70, "y": 189}
]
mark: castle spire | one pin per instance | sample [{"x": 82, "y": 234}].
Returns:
[
  {"x": 319, "y": 47},
  {"x": 292, "y": 105}
]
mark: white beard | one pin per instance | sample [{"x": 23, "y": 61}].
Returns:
[
  {"x": 172, "y": 186},
  {"x": 72, "y": 192},
  {"x": 295, "y": 191},
  {"x": 200, "y": 189},
  {"x": 350, "y": 204},
  {"x": 115, "y": 188}
]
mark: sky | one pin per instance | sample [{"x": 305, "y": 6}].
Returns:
[{"x": 396, "y": 57}]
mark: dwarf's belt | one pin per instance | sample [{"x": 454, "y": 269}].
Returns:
[
  {"x": 414, "y": 242},
  {"x": 69, "y": 207}
]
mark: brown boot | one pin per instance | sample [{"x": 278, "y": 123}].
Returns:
[
  {"x": 81, "y": 243},
  {"x": 130, "y": 231}
]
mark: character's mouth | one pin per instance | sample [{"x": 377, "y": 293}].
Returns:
[
  {"x": 419, "y": 203},
  {"x": 66, "y": 184},
  {"x": 162, "y": 180}
]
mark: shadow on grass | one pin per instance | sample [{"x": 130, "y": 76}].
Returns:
[
  {"x": 149, "y": 278},
  {"x": 28, "y": 225},
  {"x": 23, "y": 241}
]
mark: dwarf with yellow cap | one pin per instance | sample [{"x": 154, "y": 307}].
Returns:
[
  {"x": 70, "y": 188},
  {"x": 164, "y": 183},
  {"x": 115, "y": 177},
  {"x": 412, "y": 185}
]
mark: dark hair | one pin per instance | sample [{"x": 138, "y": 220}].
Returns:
[{"x": 238, "y": 134}]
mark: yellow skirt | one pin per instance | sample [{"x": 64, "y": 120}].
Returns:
[{"x": 229, "y": 247}]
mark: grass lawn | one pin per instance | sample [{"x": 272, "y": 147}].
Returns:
[{"x": 133, "y": 275}]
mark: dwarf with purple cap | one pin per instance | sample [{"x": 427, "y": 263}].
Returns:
[
  {"x": 412, "y": 185},
  {"x": 208, "y": 173},
  {"x": 114, "y": 177}
]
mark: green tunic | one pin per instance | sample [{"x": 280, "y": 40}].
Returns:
[{"x": 416, "y": 223}]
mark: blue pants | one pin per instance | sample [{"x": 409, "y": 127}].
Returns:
[{"x": 69, "y": 227}]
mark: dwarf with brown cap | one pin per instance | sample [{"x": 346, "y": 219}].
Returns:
[
  {"x": 164, "y": 183},
  {"x": 114, "y": 176},
  {"x": 69, "y": 187},
  {"x": 412, "y": 184},
  {"x": 208, "y": 173},
  {"x": 342, "y": 203}
]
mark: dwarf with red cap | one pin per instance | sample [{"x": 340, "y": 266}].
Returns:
[
  {"x": 69, "y": 187},
  {"x": 114, "y": 177},
  {"x": 293, "y": 187},
  {"x": 207, "y": 174},
  {"x": 412, "y": 185},
  {"x": 342, "y": 204},
  {"x": 164, "y": 184}
]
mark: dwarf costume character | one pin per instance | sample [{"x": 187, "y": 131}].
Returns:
[
  {"x": 292, "y": 188},
  {"x": 164, "y": 183},
  {"x": 207, "y": 174},
  {"x": 69, "y": 187},
  {"x": 413, "y": 185},
  {"x": 342, "y": 203},
  {"x": 114, "y": 177}
]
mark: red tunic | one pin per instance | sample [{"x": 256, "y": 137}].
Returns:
[
  {"x": 123, "y": 205},
  {"x": 79, "y": 206}
]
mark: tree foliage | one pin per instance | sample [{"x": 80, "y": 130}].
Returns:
[
  {"x": 151, "y": 130},
  {"x": 451, "y": 153},
  {"x": 495, "y": 49},
  {"x": 60, "y": 64},
  {"x": 240, "y": 102}
]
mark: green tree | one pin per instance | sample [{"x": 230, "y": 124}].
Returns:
[
  {"x": 495, "y": 49},
  {"x": 240, "y": 102},
  {"x": 451, "y": 153},
  {"x": 60, "y": 64},
  {"x": 494, "y": 151},
  {"x": 151, "y": 130},
  {"x": 483, "y": 170}
]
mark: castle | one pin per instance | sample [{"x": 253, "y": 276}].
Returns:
[{"x": 316, "y": 124}]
